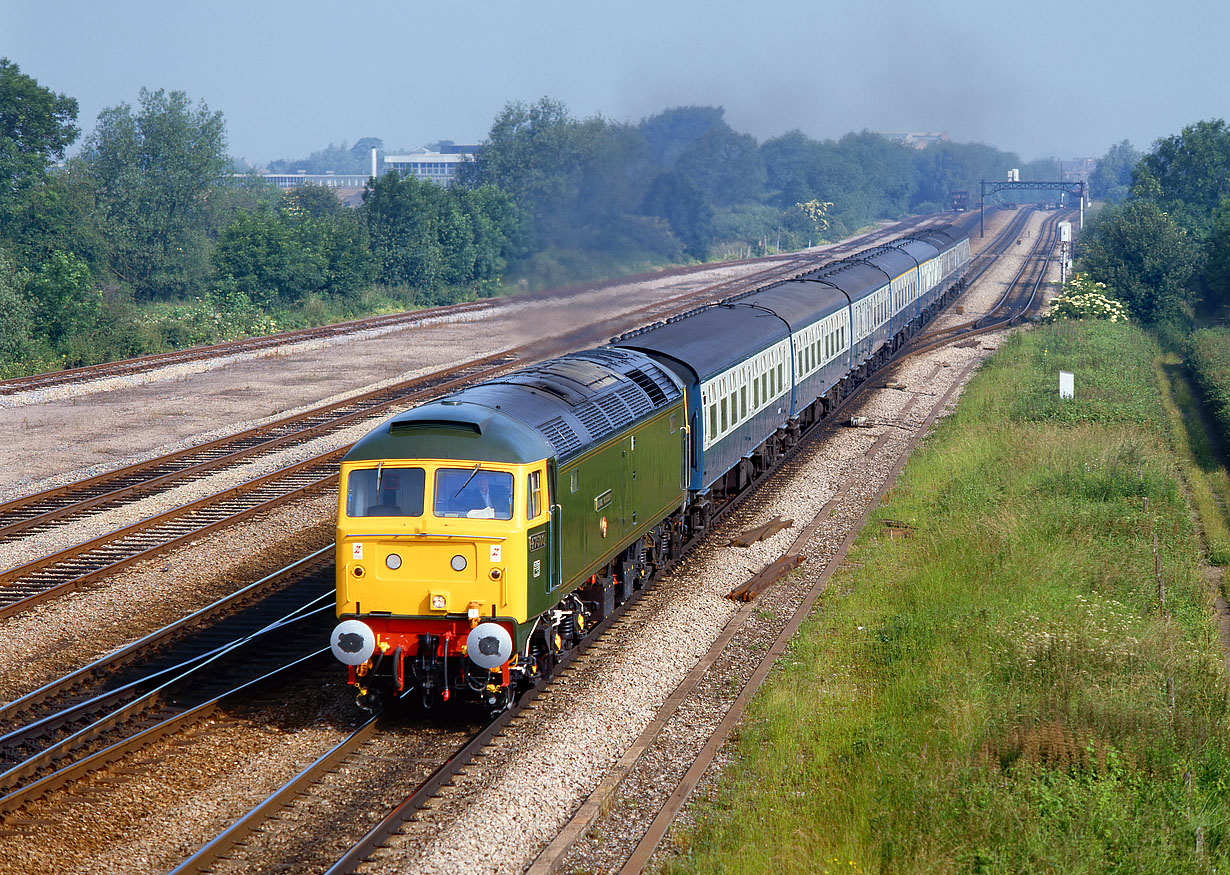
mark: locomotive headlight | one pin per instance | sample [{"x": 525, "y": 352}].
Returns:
[
  {"x": 458, "y": 562},
  {"x": 439, "y": 601},
  {"x": 394, "y": 562}
]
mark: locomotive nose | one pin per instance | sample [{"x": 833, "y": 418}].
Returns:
[{"x": 353, "y": 642}]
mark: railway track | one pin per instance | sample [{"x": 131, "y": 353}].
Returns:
[
  {"x": 115, "y": 752},
  {"x": 1019, "y": 300},
  {"x": 172, "y": 678}
]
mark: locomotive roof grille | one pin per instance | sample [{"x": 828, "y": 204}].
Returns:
[
  {"x": 561, "y": 436},
  {"x": 652, "y": 389}
]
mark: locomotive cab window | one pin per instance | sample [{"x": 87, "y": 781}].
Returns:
[
  {"x": 475, "y": 492},
  {"x": 385, "y": 491}
]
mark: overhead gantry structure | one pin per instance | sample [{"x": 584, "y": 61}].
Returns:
[{"x": 1077, "y": 189}]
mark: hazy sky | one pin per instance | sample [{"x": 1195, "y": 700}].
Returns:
[{"x": 1049, "y": 78}]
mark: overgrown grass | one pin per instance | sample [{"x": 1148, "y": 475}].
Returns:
[
  {"x": 1005, "y": 691},
  {"x": 1201, "y": 456},
  {"x": 1208, "y": 352}
]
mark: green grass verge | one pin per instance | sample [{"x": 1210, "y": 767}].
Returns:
[{"x": 1001, "y": 692}]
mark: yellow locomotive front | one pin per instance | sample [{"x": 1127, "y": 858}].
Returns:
[{"x": 443, "y": 530}]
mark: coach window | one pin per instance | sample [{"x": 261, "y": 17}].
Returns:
[
  {"x": 743, "y": 402},
  {"x": 723, "y": 413}
]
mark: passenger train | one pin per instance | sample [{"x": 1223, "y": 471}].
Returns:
[{"x": 481, "y": 535}]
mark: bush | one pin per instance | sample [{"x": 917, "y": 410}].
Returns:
[{"x": 1082, "y": 298}]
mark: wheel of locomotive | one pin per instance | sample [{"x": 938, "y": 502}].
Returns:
[
  {"x": 632, "y": 570},
  {"x": 543, "y": 651}
]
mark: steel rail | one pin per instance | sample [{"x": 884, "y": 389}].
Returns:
[
  {"x": 553, "y": 855},
  {"x": 49, "y": 505},
  {"x": 1001, "y": 245},
  {"x": 209, "y": 853},
  {"x": 645, "y": 848},
  {"x": 53, "y": 576},
  {"x": 126, "y": 707},
  {"x": 99, "y": 759},
  {"x": 159, "y": 698}
]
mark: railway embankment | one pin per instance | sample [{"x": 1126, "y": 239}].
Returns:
[{"x": 1018, "y": 668}]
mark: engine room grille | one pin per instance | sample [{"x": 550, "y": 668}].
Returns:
[
  {"x": 637, "y": 403},
  {"x": 561, "y": 436},
  {"x": 652, "y": 389},
  {"x": 593, "y": 418}
]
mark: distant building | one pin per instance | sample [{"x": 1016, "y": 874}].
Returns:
[
  {"x": 329, "y": 180},
  {"x": 916, "y": 139},
  {"x": 439, "y": 167}
]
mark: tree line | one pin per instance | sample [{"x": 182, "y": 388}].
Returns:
[
  {"x": 148, "y": 239},
  {"x": 684, "y": 185},
  {"x": 1162, "y": 245}
]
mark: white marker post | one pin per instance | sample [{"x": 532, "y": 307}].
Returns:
[{"x": 1067, "y": 384}]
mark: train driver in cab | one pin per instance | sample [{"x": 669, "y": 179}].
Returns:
[{"x": 482, "y": 495}]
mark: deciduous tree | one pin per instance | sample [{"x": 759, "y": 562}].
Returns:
[
  {"x": 1140, "y": 252},
  {"x": 1111, "y": 180},
  {"x": 155, "y": 170},
  {"x": 1191, "y": 170},
  {"x": 36, "y": 126}
]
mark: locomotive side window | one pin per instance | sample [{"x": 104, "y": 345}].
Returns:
[
  {"x": 473, "y": 492},
  {"x": 385, "y": 491},
  {"x": 533, "y": 496}
]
